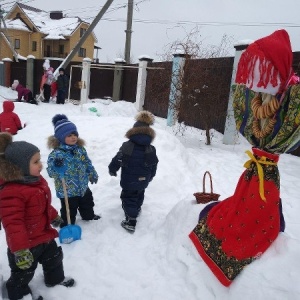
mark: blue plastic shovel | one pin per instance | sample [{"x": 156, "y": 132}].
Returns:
[{"x": 69, "y": 233}]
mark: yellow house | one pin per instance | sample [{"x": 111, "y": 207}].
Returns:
[{"x": 44, "y": 35}]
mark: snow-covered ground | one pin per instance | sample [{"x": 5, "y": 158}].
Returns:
[{"x": 158, "y": 261}]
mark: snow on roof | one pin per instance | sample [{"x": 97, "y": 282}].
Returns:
[
  {"x": 54, "y": 29},
  {"x": 16, "y": 24}
]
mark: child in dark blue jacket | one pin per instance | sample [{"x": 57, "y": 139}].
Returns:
[{"x": 138, "y": 160}]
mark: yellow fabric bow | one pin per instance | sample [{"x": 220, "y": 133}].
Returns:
[{"x": 260, "y": 171}]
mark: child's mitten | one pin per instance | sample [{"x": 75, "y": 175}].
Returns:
[
  {"x": 23, "y": 259},
  {"x": 59, "y": 167},
  {"x": 57, "y": 221}
]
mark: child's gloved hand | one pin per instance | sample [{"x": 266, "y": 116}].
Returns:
[
  {"x": 93, "y": 179},
  {"x": 57, "y": 221},
  {"x": 23, "y": 259},
  {"x": 112, "y": 173},
  {"x": 60, "y": 167}
]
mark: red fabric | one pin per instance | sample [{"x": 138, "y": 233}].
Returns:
[
  {"x": 243, "y": 224},
  {"x": 26, "y": 213},
  {"x": 23, "y": 92},
  {"x": 274, "y": 54},
  {"x": 53, "y": 89},
  {"x": 210, "y": 263},
  {"x": 9, "y": 121},
  {"x": 43, "y": 81}
]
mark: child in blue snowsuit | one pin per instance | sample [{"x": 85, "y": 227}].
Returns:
[
  {"x": 138, "y": 160},
  {"x": 69, "y": 160}
]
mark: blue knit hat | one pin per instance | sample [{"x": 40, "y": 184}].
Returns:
[{"x": 63, "y": 127}]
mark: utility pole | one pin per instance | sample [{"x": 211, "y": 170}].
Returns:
[
  {"x": 84, "y": 37},
  {"x": 128, "y": 31}
]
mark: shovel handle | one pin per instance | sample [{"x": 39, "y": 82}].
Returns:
[{"x": 66, "y": 200}]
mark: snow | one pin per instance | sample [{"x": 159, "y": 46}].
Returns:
[
  {"x": 56, "y": 29},
  {"x": 158, "y": 261}
]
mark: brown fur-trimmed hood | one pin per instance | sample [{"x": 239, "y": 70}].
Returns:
[
  {"x": 141, "y": 130},
  {"x": 54, "y": 143}
]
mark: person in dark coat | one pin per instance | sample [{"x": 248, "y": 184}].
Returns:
[
  {"x": 138, "y": 160},
  {"x": 9, "y": 121},
  {"x": 23, "y": 92},
  {"x": 27, "y": 215},
  {"x": 62, "y": 86}
]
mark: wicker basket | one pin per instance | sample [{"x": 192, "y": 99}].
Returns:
[{"x": 206, "y": 197}]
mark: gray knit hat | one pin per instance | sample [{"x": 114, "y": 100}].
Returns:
[{"x": 20, "y": 153}]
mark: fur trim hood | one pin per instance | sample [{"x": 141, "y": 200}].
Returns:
[
  {"x": 142, "y": 125},
  {"x": 8, "y": 170},
  {"x": 54, "y": 143}
]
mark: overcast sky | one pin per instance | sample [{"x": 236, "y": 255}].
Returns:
[{"x": 158, "y": 23}]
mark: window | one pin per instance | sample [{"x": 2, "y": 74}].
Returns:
[
  {"x": 17, "y": 44},
  {"x": 61, "y": 49},
  {"x": 34, "y": 44},
  {"x": 82, "y": 31},
  {"x": 82, "y": 52}
]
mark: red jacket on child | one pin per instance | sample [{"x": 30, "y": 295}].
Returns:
[
  {"x": 9, "y": 121},
  {"x": 26, "y": 213}
]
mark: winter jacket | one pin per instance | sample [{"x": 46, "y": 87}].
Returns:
[
  {"x": 23, "y": 92},
  {"x": 79, "y": 168},
  {"x": 62, "y": 82},
  {"x": 137, "y": 158},
  {"x": 9, "y": 121},
  {"x": 26, "y": 213}
]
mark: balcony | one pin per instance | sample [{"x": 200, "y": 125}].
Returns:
[{"x": 55, "y": 54}]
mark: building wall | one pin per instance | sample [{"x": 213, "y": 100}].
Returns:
[
  {"x": 88, "y": 44},
  {"x": 27, "y": 37}
]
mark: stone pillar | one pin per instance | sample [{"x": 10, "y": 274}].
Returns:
[
  {"x": 7, "y": 71},
  {"x": 175, "y": 90},
  {"x": 230, "y": 132},
  {"x": 141, "y": 82},
  {"x": 85, "y": 80},
  {"x": 30, "y": 72},
  {"x": 118, "y": 79}
]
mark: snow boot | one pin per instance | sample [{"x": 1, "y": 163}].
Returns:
[
  {"x": 96, "y": 217},
  {"x": 67, "y": 282},
  {"x": 129, "y": 224}
]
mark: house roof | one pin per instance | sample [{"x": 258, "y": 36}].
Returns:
[{"x": 53, "y": 29}]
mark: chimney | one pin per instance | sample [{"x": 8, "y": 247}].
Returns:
[{"x": 56, "y": 14}]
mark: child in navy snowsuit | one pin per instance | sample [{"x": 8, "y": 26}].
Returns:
[
  {"x": 69, "y": 160},
  {"x": 138, "y": 160}
]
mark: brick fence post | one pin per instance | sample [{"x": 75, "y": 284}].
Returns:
[
  {"x": 29, "y": 72},
  {"x": 141, "y": 82},
  {"x": 118, "y": 79},
  {"x": 175, "y": 90},
  {"x": 230, "y": 132},
  {"x": 85, "y": 80}
]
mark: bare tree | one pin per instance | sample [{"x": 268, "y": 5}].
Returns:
[{"x": 202, "y": 93}]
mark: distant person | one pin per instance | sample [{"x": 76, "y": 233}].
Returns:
[
  {"x": 9, "y": 120},
  {"x": 69, "y": 160},
  {"x": 138, "y": 160},
  {"x": 62, "y": 86},
  {"x": 48, "y": 80},
  {"x": 27, "y": 215},
  {"x": 23, "y": 92}
]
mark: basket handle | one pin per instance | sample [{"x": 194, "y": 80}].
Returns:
[{"x": 211, "y": 186}]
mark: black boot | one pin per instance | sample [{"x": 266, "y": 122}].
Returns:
[{"x": 129, "y": 224}]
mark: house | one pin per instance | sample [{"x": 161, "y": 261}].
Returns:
[{"x": 44, "y": 35}]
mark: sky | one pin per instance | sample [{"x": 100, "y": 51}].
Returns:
[
  {"x": 158, "y": 261},
  {"x": 158, "y": 23}
]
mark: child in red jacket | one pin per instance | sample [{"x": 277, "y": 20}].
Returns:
[
  {"x": 27, "y": 215},
  {"x": 9, "y": 121}
]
